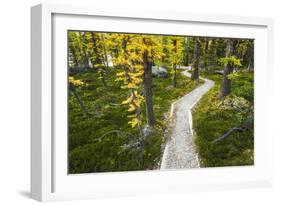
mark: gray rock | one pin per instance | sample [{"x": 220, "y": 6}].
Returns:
[
  {"x": 146, "y": 130},
  {"x": 159, "y": 71}
]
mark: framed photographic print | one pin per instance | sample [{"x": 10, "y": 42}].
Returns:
[{"x": 137, "y": 102}]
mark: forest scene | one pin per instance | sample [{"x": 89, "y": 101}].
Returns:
[{"x": 157, "y": 102}]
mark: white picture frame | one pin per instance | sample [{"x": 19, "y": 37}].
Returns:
[{"x": 49, "y": 178}]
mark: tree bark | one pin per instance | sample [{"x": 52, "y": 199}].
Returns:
[
  {"x": 195, "y": 73},
  {"x": 147, "y": 82},
  {"x": 226, "y": 82}
]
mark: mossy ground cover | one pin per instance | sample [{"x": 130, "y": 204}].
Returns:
[
  {"x": 101, "y": 141},
  {"x": 211, "y": 120}
]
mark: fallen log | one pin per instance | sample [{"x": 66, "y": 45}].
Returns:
[
  {"x": 118, "y": 132},
  {"x": 219, "y": 72},
  {"x": 239, "y": 129}
]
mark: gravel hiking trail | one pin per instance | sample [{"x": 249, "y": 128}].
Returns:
[{"x": 180, "y": 151}]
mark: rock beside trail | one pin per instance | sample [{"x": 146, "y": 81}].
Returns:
[{"x": 159, "y": 71}]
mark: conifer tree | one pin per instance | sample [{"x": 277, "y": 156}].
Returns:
[
  {"x": 136, "y": 54},
  {"x": 151, "y": 50}
]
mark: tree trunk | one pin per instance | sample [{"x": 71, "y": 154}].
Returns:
[
  {"x": 226, "y": 82},
  {"x": 175, "y": 76},
  {"x": 251, "y": 59},
  {"x": 85, "y": 53},
  {"x": 74, "y": 56},
  {"x": 174, "y": 65},
  {"x": 206, "y": 50},
  {"x": 80, "y": 102},
  {"x": 214, "y": 52},
  {"x": 98, "y": 60},
  {"x": 105, "y": 52},
  {"x": 186, "y": 59},
  {"x": 103, "y": 78},
  {"x": 195, "y": 73},
  {"x": 147, "y": 82}
]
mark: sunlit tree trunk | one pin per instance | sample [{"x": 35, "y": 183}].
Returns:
[{"x": 147, "y": 83}]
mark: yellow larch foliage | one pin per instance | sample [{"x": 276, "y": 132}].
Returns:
[
  {"x": 75, "y": 82},
  {"x": 129, "y": 54}
]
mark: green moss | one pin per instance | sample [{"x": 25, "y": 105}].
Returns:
[
  {"x": 211, "y": 120},
  {"x": 90, "y": 150}
]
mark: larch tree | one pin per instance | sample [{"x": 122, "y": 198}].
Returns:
[
  {"x": 136, "y": 54},
  {"x": 130, "y": 75},
  {"x": 150, "y": 49},
  {"x": 196, "y": 58}
]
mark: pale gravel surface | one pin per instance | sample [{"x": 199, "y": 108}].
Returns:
[{"x": 180, "y": 150}]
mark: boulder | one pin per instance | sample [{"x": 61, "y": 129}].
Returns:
[
  {"x": 146, "y": 130},
  {"x": 189, "y": 68},
  {"x": 159, "y": 71}
]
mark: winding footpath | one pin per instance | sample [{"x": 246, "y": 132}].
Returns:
[{"x": 180, "y": 149}]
